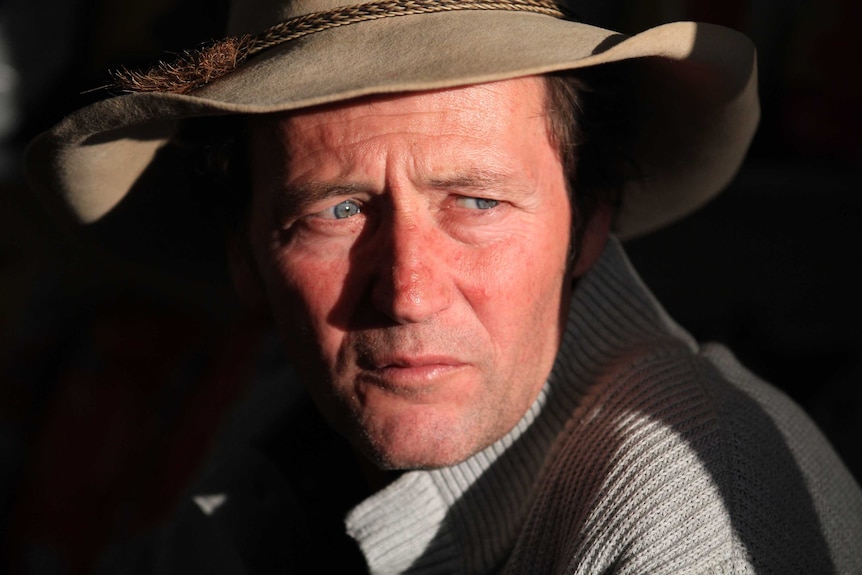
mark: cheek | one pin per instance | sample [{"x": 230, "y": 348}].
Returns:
[
  {"x": 518, "y": 294},
  {"x": 517, "y": 284},
  {"x": 531, "y": 255},
  {"x": 303, "y": 293}
]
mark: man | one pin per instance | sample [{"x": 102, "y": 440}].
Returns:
[{"x": 425, "y": 207}]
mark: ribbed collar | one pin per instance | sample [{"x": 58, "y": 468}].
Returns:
[{"x": 465, "y": 518}]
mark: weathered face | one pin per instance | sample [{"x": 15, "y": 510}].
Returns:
[{"x": 412, "y": 250}]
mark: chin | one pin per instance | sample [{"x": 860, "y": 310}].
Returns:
[
  {"x": 419, "y": 441},
  {"x": 395, "y": 458}
]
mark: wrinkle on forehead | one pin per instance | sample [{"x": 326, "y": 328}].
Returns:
[{"x": 467, "y": 102}]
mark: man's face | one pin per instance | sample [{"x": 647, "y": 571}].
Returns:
[{"x": 412, "y": 250}]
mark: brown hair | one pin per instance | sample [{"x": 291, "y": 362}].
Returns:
[{"x": 592, "y": 122}]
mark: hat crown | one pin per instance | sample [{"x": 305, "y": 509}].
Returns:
[{"x": 254, "y": 16}]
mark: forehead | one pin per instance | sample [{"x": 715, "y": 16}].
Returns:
[{"x": 470, "y": 114}]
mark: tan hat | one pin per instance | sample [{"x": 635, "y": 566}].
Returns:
[{"x": 107, "y": 165}]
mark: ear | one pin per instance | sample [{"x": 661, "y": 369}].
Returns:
[
  {"x": 244, "y": 273},
  {"x": 596, "y": 233}
]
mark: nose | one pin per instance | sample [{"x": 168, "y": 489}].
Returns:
[{"x": 413, "y": 281}]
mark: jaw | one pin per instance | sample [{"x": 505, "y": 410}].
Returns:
[{"x": 433, "y": 427}]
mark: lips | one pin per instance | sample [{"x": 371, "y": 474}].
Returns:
[{"x": 410, "y": 373}]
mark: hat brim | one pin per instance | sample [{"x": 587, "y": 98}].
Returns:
[{"x": 696, "y": 83}]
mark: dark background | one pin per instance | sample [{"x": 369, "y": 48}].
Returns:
[{"x": 112, "y": 381}]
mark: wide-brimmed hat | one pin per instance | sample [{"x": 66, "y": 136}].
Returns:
[{"x": 108, "y": 166}]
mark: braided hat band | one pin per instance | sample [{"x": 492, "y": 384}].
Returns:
[{"x": 196, "y": 68}]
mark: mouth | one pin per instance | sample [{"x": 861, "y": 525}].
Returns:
[{"x": 410, "y": 374}]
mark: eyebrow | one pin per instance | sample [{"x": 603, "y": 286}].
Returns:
[{"x": 477, "y": 180}]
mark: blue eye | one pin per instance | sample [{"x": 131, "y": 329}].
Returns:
[
  {"x": 477, "y": 203},
  {"x": 342, "y": 210}
]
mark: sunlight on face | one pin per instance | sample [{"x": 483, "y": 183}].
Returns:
[{"x": 413, "y": 252}]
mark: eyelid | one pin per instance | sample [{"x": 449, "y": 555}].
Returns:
[{"x": 303, "y": 199}]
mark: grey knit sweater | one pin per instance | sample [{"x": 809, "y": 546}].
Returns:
[{"x": 645, "y": 453}]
